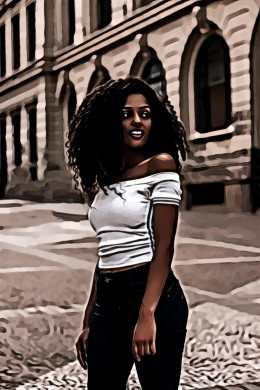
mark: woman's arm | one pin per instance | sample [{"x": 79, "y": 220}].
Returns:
[
  {"x": 91, "y": 302},
  {"x": 165, "y": 224},
  {"x": 81, "y": 343}
]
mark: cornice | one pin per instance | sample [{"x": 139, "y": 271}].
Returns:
[
  {"x": 130, "y": 26},
  {"x": 5, "y": 4},
  {"x": 21, "y": 77}
]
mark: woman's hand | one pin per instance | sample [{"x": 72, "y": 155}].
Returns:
[
  {"x": 82, "y": 349},
  {"x": 144, "y": 336}
]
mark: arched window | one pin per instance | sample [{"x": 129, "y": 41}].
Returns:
[
  {"x": 212, "y": 86},
  {"x": 154, "y": 74},
  {"x": 100, "y": 14},
  {"x": 98, "y": 77}
]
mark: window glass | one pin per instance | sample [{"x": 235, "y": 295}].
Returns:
[
  {"x": 140, "y": 3},
  {"x": 100, "y": 14},
  {"x": 16, "y": 122},
  {"x": 154, "y": 75},
  {"x": 30, "y": 10},
  {"x": 16, "y": 41},
  {"x": 68, "y": 21}
]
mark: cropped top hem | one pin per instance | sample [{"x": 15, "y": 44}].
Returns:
[
  {"x": 122, "y": 217},
  {"x": 114, "y": 266}
]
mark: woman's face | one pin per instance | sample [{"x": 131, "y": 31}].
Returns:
[{"x": 136, "y": 121}]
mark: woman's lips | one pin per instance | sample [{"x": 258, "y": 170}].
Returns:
[{"x": 136, "y": 134}]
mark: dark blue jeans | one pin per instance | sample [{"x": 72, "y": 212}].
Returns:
[{"x": 109, "y": 345}]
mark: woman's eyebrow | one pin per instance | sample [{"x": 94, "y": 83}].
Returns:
[{"x": 129, "y": 108}]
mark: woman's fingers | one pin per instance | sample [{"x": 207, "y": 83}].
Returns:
[
  {"x": 147, "y": 348},
  {"x": 135, "y": 351},
  {"x": 153, "y": 347},
  {"x": 81, "y": 360},
  {"x": 141, "y": 349},
  {"x": 81, "y": 353}
]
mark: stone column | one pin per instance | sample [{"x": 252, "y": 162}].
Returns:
[
  {"x": 117, "y": 12},
  {"x": 40, "y": 29},
  {"x": 56, "y": 174},
  {"x": 24, "y": 139},
  {"x": 41, "y": 131},
  {"x": 9, "y": 148},
  {"x": 78, "y": 36}
]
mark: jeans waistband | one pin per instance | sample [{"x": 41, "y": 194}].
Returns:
[
  {"x": 124, "y": 276},
  {"x": 129, "y": 275}
]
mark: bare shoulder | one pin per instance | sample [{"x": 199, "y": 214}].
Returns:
[{"x": 162, "y": 162}]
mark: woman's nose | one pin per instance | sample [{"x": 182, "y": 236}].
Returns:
[{"x": 137, "y": 119}]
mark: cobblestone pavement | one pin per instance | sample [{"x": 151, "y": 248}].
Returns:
[
  {"x": 217, "y": 351},
  {"x": 47, "y": 256}
]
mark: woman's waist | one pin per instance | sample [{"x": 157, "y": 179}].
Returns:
[
  {"x": 119, "y": 269},
  {"x": 124, "y": 259},
  {"x": 133, "y": 274},
  {"x": 124, "y": 274}
]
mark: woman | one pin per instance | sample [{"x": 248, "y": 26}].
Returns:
[{"x": 123, "y": 146}]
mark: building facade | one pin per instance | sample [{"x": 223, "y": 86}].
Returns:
[{"x": 203, "y": 54}]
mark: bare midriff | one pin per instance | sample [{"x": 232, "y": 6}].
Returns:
[{"x": 102, "y": 270}]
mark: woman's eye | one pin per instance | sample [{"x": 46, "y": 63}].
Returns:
[
  {"x": 146, "y": 114},
  {"x": 125, "y": 114}
]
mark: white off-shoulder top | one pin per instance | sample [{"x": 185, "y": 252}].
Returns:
[{"x": 123, "y": 219}]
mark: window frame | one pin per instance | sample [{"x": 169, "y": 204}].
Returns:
[
  {"x": 150, "y": 63},
  {"x": 194, "y": 135}
]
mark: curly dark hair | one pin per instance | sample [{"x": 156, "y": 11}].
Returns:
[{"x": 95, "y": 138}]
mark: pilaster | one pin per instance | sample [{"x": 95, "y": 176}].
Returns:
[
  {"x": 40, "y": 28},
  {"x": 78, "y": 36},
  {"x": 41, "y": 131},
  {"x": 117, "y": 12},
  {"x": 24, "y": 139},
  {"x": 57, "y": 10},
  {"x": 9, "y": 146}
]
